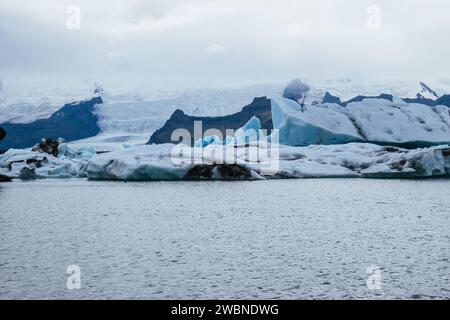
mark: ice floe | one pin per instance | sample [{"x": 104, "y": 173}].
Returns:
[
  {"x": 378, "y": 121},
  {"x": 254, "y": 160}
]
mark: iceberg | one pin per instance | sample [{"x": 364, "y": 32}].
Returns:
[
  {"x": 373, "y": 120},
  {"x": 231, "y": 162},
  {"x": 410, "y": 125},
  {"x": 33, "y": 164},
  {"x": 156, "y": 162},
  {"x": 205, "y": 141},
  {"x": 251, "y": 131},
  {"x": 318, "y": 124}
]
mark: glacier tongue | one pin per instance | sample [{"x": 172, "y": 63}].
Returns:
[{"x": 371, "y": 120}]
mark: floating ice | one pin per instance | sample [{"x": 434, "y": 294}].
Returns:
[
  {"x": 378, "y": 121},
  {"x": 323, "y": 124},
  {"x": 159, "y": 162},
  {"x": 249, "y": 132}
]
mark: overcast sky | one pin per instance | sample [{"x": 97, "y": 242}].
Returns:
[{"x": 209, "y": 43}]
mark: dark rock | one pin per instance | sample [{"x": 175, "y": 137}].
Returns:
[
  {"x": 260, "y": 107},
  {"x": 329, "y": 98},
  {"x": 73, "y": 121},
  {"x": 34, "y": 162},
  {"x": 37, "y": 163},
  {"x": 218, "y": 171},
  {"x": 446, "y": 152},
  {"x": 48, "y": 146},
  {"x": 5, "y": 178},
  {"x": 443, "y": 100},
  {"x": 391, "y": 149},
  {"x": 27, "y": 173},
  {"x": 2, "y": 133},
  {"x": 424, "y": 101},
  {"x": 398, "y": 166},
  {"x": 361, "y": 98}
]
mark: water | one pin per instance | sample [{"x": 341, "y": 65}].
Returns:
[{"x": 265, "y": 239}]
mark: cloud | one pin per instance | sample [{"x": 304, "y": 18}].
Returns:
[{"x": 174, "y": 41}]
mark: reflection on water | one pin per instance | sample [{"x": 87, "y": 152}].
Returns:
[{"x": 262, "y": 239}]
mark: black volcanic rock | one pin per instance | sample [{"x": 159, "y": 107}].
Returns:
[
  {"x": 73, "y": 121},
  {"x": 48, "y": 146},
  {"x": 218, "y": 171},
  {"x": 424, "y": 101},
  {"x": 329, "y": 98},
  {"x": 4, "y": 178},
  {"x": 361, "y": 98},
  {"x": 2, "y": 133},
  {"x": 260, "y": 107},
  {"x": 442, "y": 100}
]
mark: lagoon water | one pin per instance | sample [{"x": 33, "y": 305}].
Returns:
[{"x": 292, "y": 239}]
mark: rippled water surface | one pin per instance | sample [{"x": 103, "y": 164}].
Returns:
[{"x": 265, "y": 239}]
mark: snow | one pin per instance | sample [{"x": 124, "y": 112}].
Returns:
[
  {"x": 257, "y": 160},
  {"x": 384, "y": 121},
  {"x": 144, "y": 110},
  {"x": 370, "y": 120}
]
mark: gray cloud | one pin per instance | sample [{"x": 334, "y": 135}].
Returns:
[{"x": 223, "y": 43}]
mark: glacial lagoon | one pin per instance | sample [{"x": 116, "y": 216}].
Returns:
[{"x": 272, "y": 239}]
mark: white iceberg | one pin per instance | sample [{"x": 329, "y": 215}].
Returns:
[
  {"x": 371, "y": 120},
  {"x": 156, "y": 162},
  {"x": 250, "y": 161},
  {"x": 382, "y": 121},
  {"x": 28, "y": 164}
]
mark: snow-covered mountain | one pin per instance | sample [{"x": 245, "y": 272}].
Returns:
[
  {"x": 132, "y": 117},
  {"x": 146, "y": 110},
  {"x": 73, "y": 121}
]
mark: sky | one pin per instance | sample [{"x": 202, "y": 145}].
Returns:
[{"x": 210, "y": 43}]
